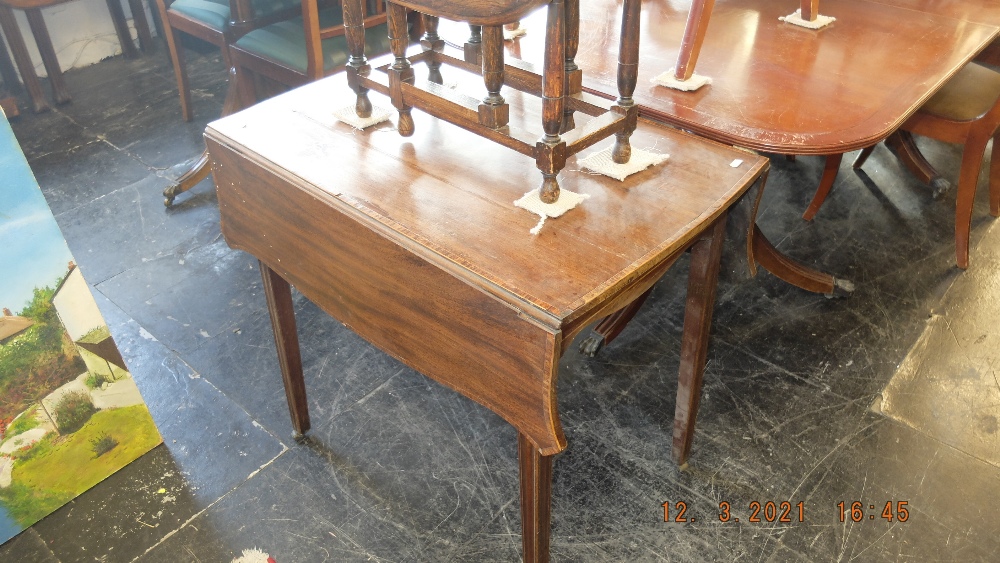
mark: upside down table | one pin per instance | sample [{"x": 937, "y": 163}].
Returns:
[{"x": 415, "y": 245}]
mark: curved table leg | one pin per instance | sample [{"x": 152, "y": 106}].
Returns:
[
  {"x": 799, "y": 275},
  {"x": 908, "y": 153},
  {"x": 201, "y": 167},
  {"x": 830, "y": 170},
  {"x": 611, "y": 326}
]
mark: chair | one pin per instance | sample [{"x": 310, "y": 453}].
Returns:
[
  {"x": 965, "y": 111},
  {"x": 303, "y": 49},
  {"x": 219, "y": 22},
  {"x": 32, "y": 9}
]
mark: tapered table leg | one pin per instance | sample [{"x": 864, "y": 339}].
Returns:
[
  {"x": 286, "y": 338},
  {"x": 703, "y": 279},
  {"x": 536, "y": 500}
]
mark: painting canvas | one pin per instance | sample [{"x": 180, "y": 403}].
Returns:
[{"x": 70, "y": 413}]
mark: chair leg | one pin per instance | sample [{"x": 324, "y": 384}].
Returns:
[
  {"x": 177, "y": 58},
  {"x": 968, "y": 177},
  {"x": 141, "y": 25},
  {"x": 862, "y": 157},
  {"x": 995, "y": 177},
  {"x": 121, "y": 29},
  {"x": 24, "y": 65},
  {"x": 8, "y": 73},
  {"x": 44, "y": 43},
  {"x": 825, "y": 184}
]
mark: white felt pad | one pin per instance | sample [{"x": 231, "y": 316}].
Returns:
[
  {"x": 601, "y": 162},
  {"x": 795, "y": 18},
  {"x": 512, "y": 34},
  {"x": 667, "y": 79},
  {"x": 350, "y": 117},
  {"x": 533, "y": 203}
]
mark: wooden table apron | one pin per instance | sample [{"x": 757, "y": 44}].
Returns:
[{"x": 421, "y": 252}]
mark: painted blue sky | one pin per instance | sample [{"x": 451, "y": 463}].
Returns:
[{"x": 33, "y": 252}]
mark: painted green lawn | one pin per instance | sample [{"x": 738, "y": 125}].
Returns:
[{"x": 67, "y": 466}]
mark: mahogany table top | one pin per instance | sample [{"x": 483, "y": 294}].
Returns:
[
  {"x": 777, "y": 87},
  {"x": 447, "y": 195},
  {"x": 981, "y": 11}
]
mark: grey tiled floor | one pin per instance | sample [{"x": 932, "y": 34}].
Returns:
[{"x": 398, "y": 468}]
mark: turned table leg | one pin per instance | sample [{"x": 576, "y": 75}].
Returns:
[
  {"x": 536, "y": 500},
  {"x": 286, "y": 338}
]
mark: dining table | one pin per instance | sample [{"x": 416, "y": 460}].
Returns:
[{"x": 778, "y": 88}]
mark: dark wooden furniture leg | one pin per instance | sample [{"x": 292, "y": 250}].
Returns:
[
  {"x": 23, "y": 60},
  {"x": 830, "y": 170},
  {"x": 201, "y": 167},
  {"x": 809, "y": 9},
  {"x": 911, "y": 157},
  {"x": 611, "y": 326},
  {"x": 799, "y": 275},
  {"x": 121, "y": 29},
  {"x": 694, "y": 37},
  {"x": 44, "y": 43},
  {"x": 862, "y": 157},
  {"x": 286, "y": 338},
  {"x": 536, "y": 500},
  {"x": 703, "y": 279},
  {"x": 7, "y": 71},
  {"x": 141, "y": 25},
  {"x": 9, "y": 106}
]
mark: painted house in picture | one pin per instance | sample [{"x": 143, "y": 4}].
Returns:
[{"x": 70, "y": 413}]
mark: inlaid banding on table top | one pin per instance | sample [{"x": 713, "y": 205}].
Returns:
[{"x": 419, "y": 192}]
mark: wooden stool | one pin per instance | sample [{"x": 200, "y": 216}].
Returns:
[{"x": 559, "y": 84}]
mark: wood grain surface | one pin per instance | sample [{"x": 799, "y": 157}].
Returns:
[
  {"x": 424, "y": 255},
  {"x": 777, "y": 87}
]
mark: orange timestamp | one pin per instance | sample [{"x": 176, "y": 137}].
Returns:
[{"x": 768, "y": 511}]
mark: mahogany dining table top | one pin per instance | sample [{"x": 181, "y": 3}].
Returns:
[{"x": 777, "y": 87}]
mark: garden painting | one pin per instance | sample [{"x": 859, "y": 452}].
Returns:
[{"x": 70, "y": 413}]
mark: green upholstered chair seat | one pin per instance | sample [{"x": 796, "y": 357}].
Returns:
[
  {"x": 215, "y": 13},
  {"x": 285, "y": 43}
]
